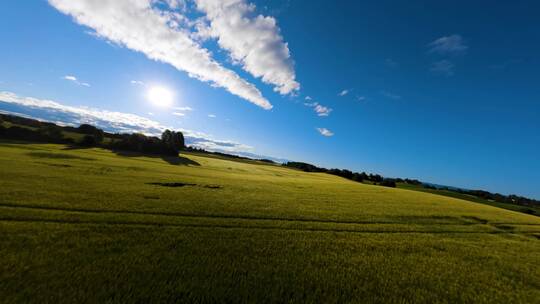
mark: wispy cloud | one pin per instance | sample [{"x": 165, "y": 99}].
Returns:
[
  {"x": 452, "y": 44},
  {"x": 390, "y": 95},
  {"x": 110, "y": 121},
  {"x": 308, "y": 98},
  {"x": 444, "y": 67},
  {"x": 212, "y": 115},
  {"x": 344, "y": 92},
  {"x": 137, "y": 82},
  {"x": 322, "y": 110},
  {"x": 179, "y": 114},
  {"x": 183, "y": 109},
  {"x": 325, "y": 132},
  {"x": 319, "y": 109},
  {"x": 75, "y": 80},
  {"x": 254, "y": 42},
  {"x": 360, "y": 98},
  {"x": 147, "y": 28}
]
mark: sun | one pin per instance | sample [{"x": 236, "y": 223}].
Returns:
[{"x": 160, "y": 96}]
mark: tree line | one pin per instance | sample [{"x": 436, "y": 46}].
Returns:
[
  {"x": 377, "y": 179},
  {"x": 170, "y": 143},
  {"x": 360, "y": 177}
]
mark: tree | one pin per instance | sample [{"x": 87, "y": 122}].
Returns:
[
  {"x": 52, "y": 131},
  {"x": 179, "y": 140},
  {"x": 388, "y": 182},
  {"x": 91, "y": 130},
  {"x": 173, "y": 140},
  {"x": 88, "y": 141},
  {"x": 166, "y": 136}
]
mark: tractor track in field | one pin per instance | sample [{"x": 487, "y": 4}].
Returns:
[
  {"x": 308, "y": 229},
  {"x": 498, "y": 228},
  {"x": 416, "y": 220}
]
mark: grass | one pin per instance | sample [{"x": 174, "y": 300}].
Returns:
[{"x": 90, "y": 225}]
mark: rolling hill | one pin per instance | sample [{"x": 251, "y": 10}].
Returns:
[{"x": 91, "y": 225}]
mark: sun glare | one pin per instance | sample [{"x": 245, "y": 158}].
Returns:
[{"x": 160, "y": 96}]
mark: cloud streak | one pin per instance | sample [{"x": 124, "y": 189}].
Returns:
[
  {"x": 75, "y": 80},
  {"x": 444, "y": 67},
  {"x": 325, "y": 132},
  {"x": 390, "y": 95},
  {"x": 144, "y": 28},
  {"x": 452, "y": 44},
  {"x": 344, "y": 92}
]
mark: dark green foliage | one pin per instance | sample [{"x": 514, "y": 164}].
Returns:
[
  {"x": 52, "y": 131},
  {"x": 267, "y": 161},
  {"x": 20, "y": 133},
  {"x": 145, "y": 144},
  {"x": 97, "y": 133},
  {"x": 355, "y": 176},
  {"x": 173, "y": 140},
  {"x": 412, "y": 181},
  {"x": 18, "y": 120},
  {"x": 305, "y": 167},
  {"x": 388, "y": 182},
  {"x": 88, "y": 141}
]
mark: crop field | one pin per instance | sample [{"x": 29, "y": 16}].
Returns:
[{"x": 94, "y": 226}]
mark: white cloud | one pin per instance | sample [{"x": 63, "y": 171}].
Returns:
[
  {"x": 252, "y": 41},
  {"x": 179, "y": 114},
  {"x": 75, "y": 80},
  {"x": 360, "y": 98},
  {"x": 308, "y": 98},
  {"x": 110, "y": 121},
  {"x": 183, "y": 109},
  {"x": 443, "y": 67},
  {"x": 138, "y": 26},
  {"x": 137, "y": 82},
  {"x": 211, "y": 115},
  {"x": 448, "y": 45},
  {"x": 390, "y": 95},
  {"x": 319, "y": 109},
  {"x": 344, "y": 92},
  {"x": 325, "y": 132},
  {"x": 322, "y": 110}
]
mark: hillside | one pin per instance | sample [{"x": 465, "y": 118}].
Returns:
[
  {"x": 90, "y": 225},
  {"x": 19, "y": 128}
]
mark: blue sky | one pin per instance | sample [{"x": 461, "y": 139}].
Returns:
[{"x": 445, "y": 92}]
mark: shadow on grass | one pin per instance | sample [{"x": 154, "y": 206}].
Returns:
[
  {"x": 76, "y": 147},
  {"x": 173, "y": 160}
]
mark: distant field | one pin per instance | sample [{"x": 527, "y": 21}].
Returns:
[
  {"x": 526, "y": 209},
  {"x": 88, "y": 225}
]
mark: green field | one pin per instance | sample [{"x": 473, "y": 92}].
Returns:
[
  {"x": 89, "y": 225},
  {"x": 525, "y": 209}
]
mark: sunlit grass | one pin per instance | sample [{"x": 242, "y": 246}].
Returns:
[{"x": 87, "y": 225}]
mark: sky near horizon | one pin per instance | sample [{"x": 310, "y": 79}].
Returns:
[{"x": 445, "y": 92}]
